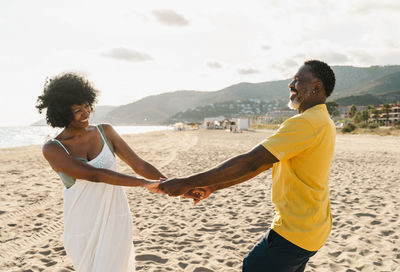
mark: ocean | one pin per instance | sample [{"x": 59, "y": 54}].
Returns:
[{"x": 37, "y": 135}]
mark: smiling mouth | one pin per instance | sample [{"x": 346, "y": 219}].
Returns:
[
  {"x": 83, "y": 121},
  {"x": 293, "y": 91},
  {"x": 293, "y": 94}
]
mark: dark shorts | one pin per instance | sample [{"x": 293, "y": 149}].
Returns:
[{"x": 275, "y": 253}]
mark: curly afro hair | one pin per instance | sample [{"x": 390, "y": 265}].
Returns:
[
  {"x": 322, "y": 71},
  {"x": 60, "y": 93}
]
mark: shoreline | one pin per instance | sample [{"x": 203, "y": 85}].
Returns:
[
  {"x": 216, "y": 234},
  {"x": 37, "y": 135},
  {"x": 386, "y": 131}
]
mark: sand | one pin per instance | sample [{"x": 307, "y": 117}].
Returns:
[{"x": 171, "y": 234}]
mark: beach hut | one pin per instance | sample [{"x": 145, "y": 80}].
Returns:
[
  {"x": 213, "y": 122},
  {"x": 241, "y": 123},
  {"x": 179, "y": 126}
]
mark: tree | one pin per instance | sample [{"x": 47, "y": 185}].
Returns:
[
  {"x": 362, "y": 116},
  {"x": 352, "y": 111},
  {"x": 374, "y": 112},
  {"x": 332, "y": 107},
  {"x": 387, "y": 108},
  {"x": 365, "y": 116}
]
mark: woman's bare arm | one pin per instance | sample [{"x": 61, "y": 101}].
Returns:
[{"x": 125, "y": 152}]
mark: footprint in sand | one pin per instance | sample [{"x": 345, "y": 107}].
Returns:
[
  {"x": 202, "y": 269},
  {"x": 365, "y": 214},
  {"x": 387, "y": 232},
  {"x": 182, "y": 265},
  {"x": 335, "y": 254},
  {"x": 152, "y": 258},
  {"x": 45, "y": 253},
  {"x": 51, "y": 263}
]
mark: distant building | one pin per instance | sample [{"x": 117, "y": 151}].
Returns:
[
  {"x": 214, "y": 122},
  {"x": 179, "y": 126},
  {"x": 271, "y": 117},
  {"x": 344, "y": 110},
  {"x": 383, "y": 118},
  {"x": 280, "y": 114},
  {"x": 241, "y": 123},
  {"x": 235, "y": 124}
]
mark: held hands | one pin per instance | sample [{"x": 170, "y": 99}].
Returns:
[
  {"x": 198, "y": 194},
  {"x": 178, "y": 187},
  {"x": 181, "y": 187},
  {"x": 175, "y": 187},
  {"x": 153, "y": 186}
]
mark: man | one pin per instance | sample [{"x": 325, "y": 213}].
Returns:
[{"x": 300, "y": 153}]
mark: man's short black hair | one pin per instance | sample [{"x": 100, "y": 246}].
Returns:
[
  {"x": 322, "y": 71},
  {"x": 60, "y": 93}
]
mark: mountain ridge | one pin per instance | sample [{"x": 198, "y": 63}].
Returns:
[{"x": 159, "y": 109}]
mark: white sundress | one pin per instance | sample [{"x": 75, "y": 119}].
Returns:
[{"x": 98, "y": 223}]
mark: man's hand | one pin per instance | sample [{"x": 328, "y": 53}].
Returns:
[
  {"x": 198, "y": 194},
  {"x": 153, "y": 186},
  {"x": 175, "y": 187}
]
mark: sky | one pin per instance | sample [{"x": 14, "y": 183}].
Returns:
[{"x": 131, "y": 49}]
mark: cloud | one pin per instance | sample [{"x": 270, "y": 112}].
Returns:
[
  {"x": 214, "y": 64},
  {"x": 266, "y": 47},
  {"x": 374, "y": 6},
  {"x": 286, "y": 67},
  {"x": 170, "y": 17},
  {"x": 127, "y": 55},
  {"x": 323, "y": 50},
  {"x": 247, "y": 71},
  {"x": 334, "y": 57},
  {"x": 390, "y": 58},
  {"x": 363, "y": 57},
  {"x": 301, "y": 56},
  {"x": 391, "y": 43},
  {"x": 289, "y": 63}
]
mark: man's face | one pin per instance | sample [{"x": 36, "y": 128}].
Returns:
[{"x": 301, "y": 87}]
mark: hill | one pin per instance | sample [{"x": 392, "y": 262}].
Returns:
[
  {"x": 96, "y": 117},
  {"x": 228, "y": 109},
  {"x": 350, "y": 79},
  {"x": 157, "y": 109},
  {"x": 381, "y": 85},
  {"x": 359, "y": 100},
  {"x": 376, "y": 81},
  {"x": 368, "y": 85}
]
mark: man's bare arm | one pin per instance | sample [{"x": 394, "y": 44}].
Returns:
[
  {"x": 251, "y": 175},
  {"x": 201, "y": 193},
  {"x": 233, "y": 171}
]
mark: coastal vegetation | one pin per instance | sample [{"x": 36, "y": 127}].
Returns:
[{"x": 382, "y": 120}]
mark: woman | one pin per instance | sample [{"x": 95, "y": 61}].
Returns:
[{"x": 97, "y": 220}]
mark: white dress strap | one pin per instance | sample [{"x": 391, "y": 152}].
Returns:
[
  {"x": 101, "y": 134},
  {"x": 60, "y": 144}
]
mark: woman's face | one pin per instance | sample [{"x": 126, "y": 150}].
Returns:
[{"x": 81, "y": 115}]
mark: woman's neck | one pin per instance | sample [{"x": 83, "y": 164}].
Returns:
[{"x": 72, "y": 132}]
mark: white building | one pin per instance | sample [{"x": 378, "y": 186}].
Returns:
[
  {"x": 213, "y": 122},
  {"x": 221, "y": 122},
  {"x": 241, "y": 123}
]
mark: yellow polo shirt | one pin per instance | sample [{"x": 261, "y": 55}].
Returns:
[{"x": 304, "y": 145}]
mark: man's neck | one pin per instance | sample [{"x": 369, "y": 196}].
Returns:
[{"x": 305, "y": 107}]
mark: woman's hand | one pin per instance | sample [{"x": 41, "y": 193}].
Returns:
[
  {"x": 198, "y": 194},
  {"x": 152, "y": 186}
]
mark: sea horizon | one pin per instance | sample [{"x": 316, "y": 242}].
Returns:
[{"x": 17, "y": 136}]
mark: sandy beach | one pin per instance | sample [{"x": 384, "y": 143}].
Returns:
[{"x": 171, "y": 234}]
